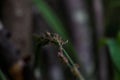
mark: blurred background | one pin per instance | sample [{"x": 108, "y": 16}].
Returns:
[{"x": 90, "y": 26}]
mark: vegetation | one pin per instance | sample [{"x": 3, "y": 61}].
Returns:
[{"x": 84, "y": 35}]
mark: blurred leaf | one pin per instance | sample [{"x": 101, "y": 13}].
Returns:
[
  {"x": 115, "y": 3},
  {"x": 51, "y": 18},
  {"x": 114, "y": 49},
  {"x": 102, "y": 42},
  {"x": 116, "y": 75},
  {"x": 118, "y": 38},
  {"x": 2, "y": 77}
]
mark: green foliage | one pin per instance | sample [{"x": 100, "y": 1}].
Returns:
[
  {"x": 102, "y": 42},
  {"x": 114, "y": 48},
  {"x": 51, "y": 18},
  {"x": 116, "y": 75},
  {"x": 2, "y": 77},
  {"x": 118, "y": 38},
  {"x": 114, "y": 3}
]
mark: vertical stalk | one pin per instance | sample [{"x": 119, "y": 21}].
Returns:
[
  {"x": 102, "y": 55},
  {"x": 82, "y": 35}
]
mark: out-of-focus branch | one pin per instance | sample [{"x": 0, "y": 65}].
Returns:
[
  {"x": 81, "y": 34},
  {"x": 102, "y": 55}
]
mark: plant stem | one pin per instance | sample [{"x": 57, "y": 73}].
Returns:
[{"x": 72, "y": 66}]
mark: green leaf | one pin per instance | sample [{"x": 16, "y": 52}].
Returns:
[
  {"x": 118, "y": 38},
  {"x": 114, "y": 49},
  {"x": 116, "y": 75},
  {"x": 102, "y": 41},
  {"x": 2, "y": 77},
  {"x": 51, "y": 18},
  {"x": 115, "y": 4}
]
